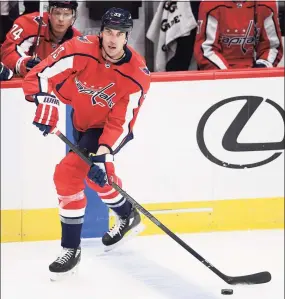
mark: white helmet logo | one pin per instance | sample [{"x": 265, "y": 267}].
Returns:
[{"x": 116, "y": 14}]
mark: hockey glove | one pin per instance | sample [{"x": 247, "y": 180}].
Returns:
[
  {"x": 25, "y": 64},
  {"x": 102, "y": 171},
  {"x": 5, "y": 73},
  {"x": 46, "y": 116},
  {"x": 261, "y": 63}
]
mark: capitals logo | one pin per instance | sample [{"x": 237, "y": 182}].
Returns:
[
  {"x": 145, "y": 70},
  {"x": 37, "y": 19},
  {"x": 84, "y": 39},
  {"x": 97, "y": 94},
  {"x": 243, "y": 40}
]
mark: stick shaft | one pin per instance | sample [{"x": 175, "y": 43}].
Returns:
[
  {"x": 37, "y": 41},
  {"x": 256, "y": 278}
]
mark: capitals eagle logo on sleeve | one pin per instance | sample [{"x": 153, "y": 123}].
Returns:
[
  {"x": 145, "y": 70},
  {"x": 84, "y": 39}
]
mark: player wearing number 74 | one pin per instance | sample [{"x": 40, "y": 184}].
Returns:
[{"x": 17, "y": 50}]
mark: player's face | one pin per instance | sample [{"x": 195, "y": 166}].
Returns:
[
  {"x": 61, "y": 19},
  {"x": 113, "y": 42}
]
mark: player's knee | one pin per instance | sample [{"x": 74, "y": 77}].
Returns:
[
  {"x": 72, "y": 206},
  {"x": 69, "y": 177},
  {"x": 107, "y": 193}
]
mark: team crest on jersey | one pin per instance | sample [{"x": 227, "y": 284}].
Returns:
[
  {"x": 145, "y": 70},
  {"x": 84, "y": 39},
  {"x": 37, "y": 20},
  {"x": 245, "y": 40},
  {"x": 97, "y": 95}
]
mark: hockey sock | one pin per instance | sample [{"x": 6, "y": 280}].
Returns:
[
  {"x": 123, "y": 210},
  {"x": 72, "y": 211},
  {"x": 71, "y": 232}
]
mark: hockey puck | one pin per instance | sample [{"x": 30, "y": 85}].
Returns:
[{"x": 227, "y": 291}]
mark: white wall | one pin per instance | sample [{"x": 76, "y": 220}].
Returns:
[
  {"x": 164, "y": 162},
  {"x": 27, "y": 157}
]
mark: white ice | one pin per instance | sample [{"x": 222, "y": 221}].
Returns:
[{"x": 153, "y": 267}]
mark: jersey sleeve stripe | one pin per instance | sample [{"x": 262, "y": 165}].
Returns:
[
  {"x": 25, "y": 46},
  {"x": 273, "y": 38},
  {"x": 207, "y": 48},
  {"x": 53, "y": 70},
  {"x": 57, "y": 67},
  {"x": 127, "y": 134},
  {"x": 134, "y": 102}
]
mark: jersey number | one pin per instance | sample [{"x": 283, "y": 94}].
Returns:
[
  {"x": 16, "y": 32},
  {"x": 56, "y": 52}
]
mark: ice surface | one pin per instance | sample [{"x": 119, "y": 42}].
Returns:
[{"x": 153, "y": 267}]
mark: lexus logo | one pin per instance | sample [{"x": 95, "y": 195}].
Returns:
[{"x": 229, "y": 140}]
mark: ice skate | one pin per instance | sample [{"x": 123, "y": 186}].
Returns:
[
  {"x": 123, "y": 230},
  {"x": 66, "y": 264}
]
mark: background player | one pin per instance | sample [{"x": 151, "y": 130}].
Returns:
[
  {"x": 230, "y": 32},
  {"x": 17, "y": 50},
  {"x": 105, "y": 82}
]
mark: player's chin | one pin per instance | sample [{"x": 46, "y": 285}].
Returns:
[
  {"x": 60, "y": 29},
  {"x": 113, "y": 53}
]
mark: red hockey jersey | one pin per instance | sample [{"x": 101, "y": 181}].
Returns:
[
  {"x": 20, "y": 40},
  {"x": 103, "y": 95},
  {"x": 227, "y": 31}
]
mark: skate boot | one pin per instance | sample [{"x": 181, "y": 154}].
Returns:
[
  {"x": 123, "y": 230},
  {"x": 66, "y": 263}
]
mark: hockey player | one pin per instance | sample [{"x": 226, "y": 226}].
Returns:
[
  {"x": 17, "y": 50},
  {"x": 238, "y": 34},
  {"x": 5, "y": 73},
  {"x": 105, "y": 81}
]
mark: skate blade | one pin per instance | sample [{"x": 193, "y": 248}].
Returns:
[
  {"x": 61, "y": 276},
  {"x": 132, "y": 233}
]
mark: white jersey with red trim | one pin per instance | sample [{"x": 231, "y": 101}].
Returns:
[
  {"x": 228, "y": 31},
  {"x": 103, "y": 95}
]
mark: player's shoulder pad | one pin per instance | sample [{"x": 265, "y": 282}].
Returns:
[
  {"x": 30, "y": 22},
  {"x": 86, "y": 43},
  {"x": 76, "y": 32},
  {"x": 269, "y": 4},
  {"x": 138, "y": 62},
  {"x": 85, "y": 39},
  {"x": 137, "y": 69},
  {"x": 210, "y": 5}
]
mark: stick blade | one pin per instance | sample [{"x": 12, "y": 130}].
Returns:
[{"x": 257, "y": 278}]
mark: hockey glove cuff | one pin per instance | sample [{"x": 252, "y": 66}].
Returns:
[
  {"x": 46, "y": 116},
  {"x": 25, "y": 64},
  {"x": 261, "y": 63},
  {"x": 5, "y": 73},
  {"x": 102, "y": 171}
]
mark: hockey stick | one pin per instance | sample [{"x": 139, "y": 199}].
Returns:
[
  {"x": 37, "y": 42},
  {"x": 256, "y": 278}
]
